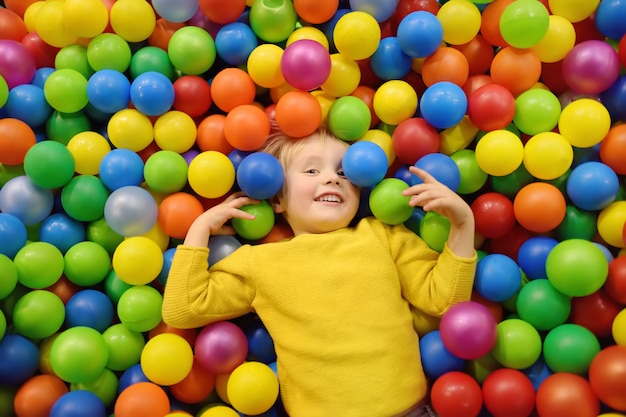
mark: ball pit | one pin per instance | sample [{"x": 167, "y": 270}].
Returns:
[{"x": 122, "y": 121}]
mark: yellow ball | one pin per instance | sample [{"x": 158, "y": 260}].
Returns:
[
  {"x": 308, "y": 32},
  {"x": 458, "y": 136},
  {"x": 219, "y": 411},
  {"x": 130, "y": 129},
  {"x": 611, "y": 223},
  {"x": 382, "y": 139},
  {"x": 50, "y": 27},
  {"x": 499, "y": 152},
  {"x": 584, "y": 122},
  {"x": 573, "y": 10},
  {"x": 326, "y": 101},
  {"x": 619, "y": 328},
  {"x": 88, "y": 148},
  {"x": 548, "y": 155},
  {"x": 394, "y": 101},
  {"x": 30, "y": 15},
  {"x": 211, "y": 174},
  {"x": 137, "y": 260},
  {"x": 166, "y": 359},
  {"x": 344, "y": 77},
  {"x": 357, "y": 35},
  {"x": 557, "y": 42},
  {"x": 264, "y": 65},
  {"x": 252, "y": 388},
  {"x": 159, "y": 236},
  {"x": 133, "y": 20},
  {"x": 460, "y": 20},
  {"x": 175, "y": 131},
  {"x": 85, "y": 18}
]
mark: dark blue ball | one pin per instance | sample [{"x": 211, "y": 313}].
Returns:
[{"x": 260, "y": 175}]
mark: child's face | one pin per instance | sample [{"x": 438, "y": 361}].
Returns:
[{"x": 317, "y": 197}]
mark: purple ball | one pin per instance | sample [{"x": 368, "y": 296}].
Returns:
[
  {"x": 591, "y": 67},
  {"x": 468, "y": 330},
  {"x": 305, "y": 64},
  {"x": 220, "y": 347},
  {"x": 17, "y": 65}
]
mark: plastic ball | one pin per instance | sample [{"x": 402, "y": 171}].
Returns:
[
  {"x": 211, "y": 174},
  {"x": 439, "y": 96},
  {"x": 192, "y": 50},
  {"x": 78, "y": 354},
  {"x": 615, "y": 284},
  {"x": 142, "y": 399},
  {"x": 38, "y": 314},
  {"x": 548, "y": 155},
  {"x": 125, "y": 346},
  {"x": 192, "y": 95},
  {"x": 13, "y": 234},
  {"x": 166, "y": 359},
  {"x": 260, "y": 175},
  {"x": 516, "y": 69},
  {"x": 584, "y": 122},
  {"x": 611, "y": 223},
  {"x": 592, "y": 186},
  {"x": 130, "y": 129},
  {"x": 420, "y": 34},
  {"x": 137, "y": 260},
  {"x": 9, "y": 272},
  {"x": 456, "y": 393},
  {"x": 108, "y": 90},
  {"x": 539, "y": 207},
  {"x": 176, "y": 213},
  {"x": 536, "y": 110},
  {"x": 408, "y": 150},
  {"x": 595, "y": 312},
  {"x": 232, "y": 87},
  {"x": 252, "y": 388},
  {"x": 617, "y": 329},
  {"x": 441, "y": 167},
  {"x": 221, "y": 347},
  {"x": 494, "y": 215},
  {"x": 493, "y": 145},
  {"x": 533, "y": 254},
  {"x": 356, "y": 35},
  {"x": 133, "y": 20},
  {"x": 17, "y": 65},
  {"x": 66, "y": 90},
  {"x": 576, "y": 267},
  {"x": 395, "y": 101},
  {"x": 364, "y": 164},
  {"x": 445, "y": 64},
  {"x": 261, "y": 225},
  {"x": 491, "y": 107},
  {"x": 27, "y": 102},
  {"x": 437, "y": 359},
  {"x": 559, "y": 39},
  {"x": 305, "y": 64},
  {"x": 570, "y": 348},
  {"x": 349, "y": 118},
  {"x": 38, "y": 394},
  {"x": 166, "y": 171},
  {"x": 247, "y": 127},
  {"x": 591, "y": 66},
  {"x": 49, "y": 164},
  {"x": 524, "y": 23},
  {"x": 90, "y": 308},
  {"x": 120, "y": 168},
  {"x": 195, "y": 387},
  {"x": 389, "y": 61},
  {"x": 264, "y": 65},
  {"x": 387, "y": 202},
  {"x": 139, "y": 308},
  {"x": 298, "y": 113},
  {"x": 39, "y": 265},
  {"x": 613, "y": 147},
  {"x": 20, "y": 359},
  {"x": 88, "y": 149},
  {"x": 468, "y": 330},
  {"x": 563, "y": 393},
  {"x": 607, "y": 376},
  {"x": 518, "y": 344},
  {"x": 176, "y": 12},
  {"x": 16, "y": 138},
  {"x": 130, "y": 210},
  {"x": 152, "y": 93},
  {"x": 220, "y": 12},
  {"x": 78, "y": 402},
  {"x": 273, "y": 22},
  {"x": 28, "y": 202},
  {"x": 542, "y": 305},
  {"x": 498, "y": 277},
  {"x": 508, "y": 392},
  {"x": 344, "y": 76},
  {"x": 219, "y": 411},
  {"x": 86, "y": 263},
  {"x": 461, "y": 21}
]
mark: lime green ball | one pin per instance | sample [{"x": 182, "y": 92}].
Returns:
[
  {"x": 8, "y": 172},
  {"x": 3, "y": 324},
  {"x": 114, "y": 287},
  {"x": 86, "y": 263},
  {"x": 109, "y": 51},
  {"x": 259, "y": 227},
  {"x": 83, "y": 198},
  {"x": 577, "y": 267},
  {"x": 273, "y": 21},
  {"x": 139, "y": 308},
  {"x": 38, "y": 314},
  {"x": 100, "y": 232},
  {"x": 536, "y": 110},
  {"x": 79, "y": 354},
  {"x": 472, "y": 177},
  {"x": 104, "y": 386},
  {"x": 387, "y": 202},
  {"x": 49, "y": 164},
  {"x": 66, "y": 90},
  {"x": 165, "y": 171},
  {"x": 8, "y": 272},
  {"x": 570, "y": 348},
  {"x": 191, "y": 49},
  {"x": 434, "y": 230},
  {"x": 125, "y": 346},
  {"x": 349, "y": 118},
  {"x": 524, "y": 23},
  {"x": 4, "y": 91},
  {"x": 518, "y": 344},
  {"x": 74, "y": 57},
  {"x": 39, "y": 265}
]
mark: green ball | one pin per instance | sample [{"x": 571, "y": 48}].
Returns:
[
  {"x": 349, "y": 118},
  {"x": 536, "y": 110},
  {"x": 139, "y": 308},
  {"x": 273, "y": 21},
  {"x": 109, "y": 51},
  {"x": 86, "y": 263},
  {"x": 434, "y": 230},
  {"x": 74, "y": 57},
  {"x": 62, "y": 127},
  {"x": 100, "y": 232},
  {"x": 577, "y": 267},
  {"x": 8, "y": 272},
  {"x": 510, "y": 184},
  {"x": 4, "y": 91},
  {"x": 165, "y": 171},
  {"x": 79, "y": 354},
  {"x": 39, "y": 265},
  {"x": 570, "y": 348},
  {"x": 524, "y": 23},
  {"x": 3, "y": 324},
  {"x": 114, "y": 287},
  {"x": 38, "y": 314},
  {"x": 66, "y": 90},
  {"x": 387, "y": 203},
  {"x": 49, "y": 164},
  {"x": 191, "y": 49},
  {"x": 259, "y": 227},
  {"x": 577, "y": 224},
  {"x": 472, "y": 176},
  {"x": 8, "y": 172},
  {"x": 542, "y": 305},
  {"x": 84, "y": 197},
  {"x": 104, "y": 386},
  {"x": 125, "y": 346},
  {"x": 151, "y": 58},
  {"x": 518, "y": 344}
]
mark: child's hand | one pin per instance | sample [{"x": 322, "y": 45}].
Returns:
[
  {"x": 432, "y": 195},
  {"x": 215, "y": 219}
]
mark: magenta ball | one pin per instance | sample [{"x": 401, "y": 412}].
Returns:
[
  {"x": 591, "y": 67},
  {"x": 305, "y": 64},
  {"x": 220, "y": 347},
  {"x": 17, "y": 65},
  {"x": 468, "y": 330}
]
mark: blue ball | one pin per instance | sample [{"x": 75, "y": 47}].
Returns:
[
  {"x": 498, "y": 277},
  {"x": 365, "y": 163},
  {"x": 420, "y": 34},
  {"x": 178, "y": 11},
  {"x": 19, "y": 359},
  {"x": 609, "y": 18},
  {"x": 13, "y": 235},
  {"x": 260, "y": 175},
  {"x": 90, "y": 308},
  {"x": 329, "y": 28},
  {"x": 41, "y": 75},
  {"x": 236, "y": 156},
  {"x": 380, "y": 10},
  {"x": 108, "y": 90},
  {"x": 389, "y": 61},
  {"x": 25, "y": 200},
  {"x": 168, "y": 256},
  {"x": 436, "y": 358},
  {"x": 234, "y": 42},
  {"x": 260, "y": 343},
  {"x": 403, "y": 174},
  {"x": 440, "y": 166},
  {"x": 62, "y": 231},
  {"x": 443, "y": 104},
  {"x": 152, "y": 93},
  {"x": 614, "y": 99},
  {"x": 130, "y": 376},
  {"x": 121, "y": 167},
  {"x": 592, "y": 185},
  {"x": 27, "y": 103},
  {"x": 538, "y": 372},
  {"x": 532, "y": 256},
  {"x": 78, "y": 403}
]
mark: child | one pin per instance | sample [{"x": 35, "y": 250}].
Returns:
[{"x": 335, "y": 299}]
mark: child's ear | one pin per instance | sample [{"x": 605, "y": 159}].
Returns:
[{"x": 277, "y": 205}]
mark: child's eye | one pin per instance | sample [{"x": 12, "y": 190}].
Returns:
[
  {"x": 311, "y": 171},
  {"x": 341, "y": 173}
]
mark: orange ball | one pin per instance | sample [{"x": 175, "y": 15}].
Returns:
[
  {"x": 539, "y": 207},
  {"x": 11, "y": 25},
  {"x": 516, "y": 69},
  {"x": 188, "y": 334},
  {"x": 366, "y": 94},
  {"x": 195, "y": 387},
  {"x": 232, "y": 87},
  {"x": 16, "y": 138},
  {"x": 316, "y": 11},
  {"x": 162, "y": 33},
  {"x": 210, "y": 135},
  {"x": 37, "y": 395},
  {"x": 247, "y": 127},
  {"x": 446, "y": 64},
  {"x": 176, "y": 213},
  {"x": 490, "y": 22},
  {"x": 298, "y": 113},
  {"x": 142, "y": 399},
  {"x": 613, "y": 149}
]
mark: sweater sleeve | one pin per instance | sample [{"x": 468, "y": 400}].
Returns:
[{"x": 194, "y": 297}]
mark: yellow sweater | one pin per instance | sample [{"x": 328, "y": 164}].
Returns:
[{"x": 337, "y": 308}]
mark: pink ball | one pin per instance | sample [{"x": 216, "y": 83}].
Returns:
[
  {"x": 591, "y": 67},
  {"x": 305, "y": 64},
  {"x": 220, "y": 347},
  {"x": 468, "y": 330},
  {"x": 17, "y": 65}
]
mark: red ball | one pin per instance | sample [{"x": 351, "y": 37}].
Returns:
[
  {"x": 414, "y": 138},
  {"x": 456, "y": 394},
  {"x": 595, "y": 312},
  {"x": 222, "y": 12},
  {"x": 192, "y": 95},
  {"x": 510, "y": 243},
  {"x": 615, "y": 284},
  {"x": 607, "y": 376},
  {"x": 508, "y": 393},
  {"x": 494, "y": 215},
  {"x": 565, "y": 394},
  {"x": 37, "y": 395},
  {"x": 491, "y": 107},
  {"x": 196, "y": 386}
]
